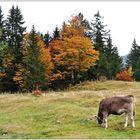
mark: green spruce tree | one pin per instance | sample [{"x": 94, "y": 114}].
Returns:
[
  {"x": 134, "y": 60},
  {"x": 133, "y": 55},
  {"x": 36, "y": 76},
  {"x": 99, "y": 36},
  {"x": 98, "y": 33},
  {"x": 56, "y": 33},
  {"x": 15, "y": 31},
  {"x": 47, "y": 38},
  {"x": 1, "y": 18},
  {"x": 114, "y": 61},
  {"x": 2, "y": 25},
  {"x": 14, "y": 36}
]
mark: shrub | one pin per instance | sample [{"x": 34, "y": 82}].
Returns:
[{"x": 124, "y": 76}]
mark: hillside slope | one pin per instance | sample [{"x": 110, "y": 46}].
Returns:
[{"x": 65, "y": 114}]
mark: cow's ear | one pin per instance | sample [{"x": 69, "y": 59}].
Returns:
[{"x": 95, "y": 116}]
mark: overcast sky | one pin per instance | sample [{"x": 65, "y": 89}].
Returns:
[{"x": 122, "y": 18}]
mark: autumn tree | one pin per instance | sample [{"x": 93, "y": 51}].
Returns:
[
  {"x": 45, "y": 59},
  {"x": 85, "y": 23},
  {"x": 130, "y": 71},
  {"x": 73, "y": 54}
]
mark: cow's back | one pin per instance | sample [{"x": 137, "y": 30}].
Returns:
[{"x": 117, "y": 104}]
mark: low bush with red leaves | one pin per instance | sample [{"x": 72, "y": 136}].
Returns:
[{"x": 124, "y": 76}]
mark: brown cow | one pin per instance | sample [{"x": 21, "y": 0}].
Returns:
[{"x": 117, "y": 105}]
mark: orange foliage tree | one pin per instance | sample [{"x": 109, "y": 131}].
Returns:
[
  {"x": 45, "y": 58},
  {"x": 72, "y": 53}
]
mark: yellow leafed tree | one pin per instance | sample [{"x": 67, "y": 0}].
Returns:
[{"x": 129, "y": 70}]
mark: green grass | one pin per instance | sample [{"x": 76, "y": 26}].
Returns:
[{"x": 66, "y": 114}]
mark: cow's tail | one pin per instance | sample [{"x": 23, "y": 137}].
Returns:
[{"x": 134, "y": 102}]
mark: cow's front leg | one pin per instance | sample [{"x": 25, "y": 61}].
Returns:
[
  {"x": 105, "y": 122},
  {"x": 126, "y": 121}
]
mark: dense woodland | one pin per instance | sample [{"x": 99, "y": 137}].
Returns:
[{"x": 79, "y": 51}]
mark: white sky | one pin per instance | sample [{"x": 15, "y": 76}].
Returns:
[{"x": 122, "y": 18}]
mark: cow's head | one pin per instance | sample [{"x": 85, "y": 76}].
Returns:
[{"x": 99, "y": 119}]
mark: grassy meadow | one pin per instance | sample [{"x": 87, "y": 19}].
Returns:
[{"x": 65, "y": 114}]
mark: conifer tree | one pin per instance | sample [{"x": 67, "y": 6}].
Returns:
[
  {"x": 134, "y": 60},
  {"x": 56, "y": 33},
  {"x": 14, "y": 35},
  {"x": 98, "y": 33},
  {"x": 2, "y": 25},
  {"x": 133, "y": 55},
  {"x": 15, "y": 31},
  {"x": 47, "y": 38},
  {"x": 99, "y": 36},
  {"x": 114, "y": 61},
  {"x": 1, "y": 18},
  {"x": 36, "y": 71}
]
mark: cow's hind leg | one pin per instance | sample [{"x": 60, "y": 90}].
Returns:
[{"x": 132, "y": 119}]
